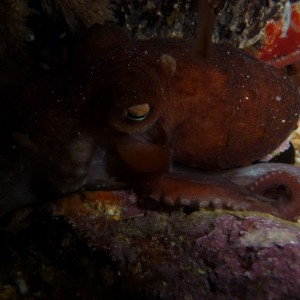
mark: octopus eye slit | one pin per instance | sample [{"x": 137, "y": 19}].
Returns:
[
  {"x": 137, "y": 112},
  {"x": 135, "y": 118}
]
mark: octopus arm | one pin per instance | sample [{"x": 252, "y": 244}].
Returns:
[
  {"x": 203, "y": 191},
  {"x": 247, "y": 175},
  {"x": 278, "y": 182},
  {"x": 284, "y": 188}
]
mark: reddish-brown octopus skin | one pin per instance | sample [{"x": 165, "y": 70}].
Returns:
[
  {"x": 221, "y": 112},
  {"x": 133, "y": 109}
]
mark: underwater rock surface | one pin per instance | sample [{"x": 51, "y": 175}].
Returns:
[
  {"x": 101, "y": 244},
  {"x": 211, "y": 255}
]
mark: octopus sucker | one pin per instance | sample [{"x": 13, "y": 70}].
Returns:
[
  {"x": 217, "y": 203},
  {"x": 169, "y": 201},
  {"x": 203, "y": 204},
  {"x": 185, "y": 201}
]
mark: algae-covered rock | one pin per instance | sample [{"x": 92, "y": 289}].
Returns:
[
  {"x": 108, "y": 245},
  {"x": 211, "y": 255}
]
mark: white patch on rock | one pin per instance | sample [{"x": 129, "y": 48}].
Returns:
[{"x": 269, "y": 237}]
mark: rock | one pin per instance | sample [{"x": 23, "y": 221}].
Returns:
[{"x": 111, "y": 245}]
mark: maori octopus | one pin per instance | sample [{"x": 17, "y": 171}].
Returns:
[{"x": 152, "y": 115}]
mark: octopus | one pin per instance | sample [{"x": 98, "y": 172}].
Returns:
[{"x": 154, "y": 116}]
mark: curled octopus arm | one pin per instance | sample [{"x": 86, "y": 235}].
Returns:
[
  {"x": 275, "y": 191},
  {"x": 276, "y": 181}
]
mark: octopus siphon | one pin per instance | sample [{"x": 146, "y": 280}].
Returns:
[{"x": 154, "y": 116}]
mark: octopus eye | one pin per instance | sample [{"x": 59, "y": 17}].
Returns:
[{"x": 137, "y": 112}]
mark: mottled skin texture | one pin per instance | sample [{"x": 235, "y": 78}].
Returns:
[{"x": 133, "y": 110}]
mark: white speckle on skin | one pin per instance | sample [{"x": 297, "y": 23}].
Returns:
[{"x": 278, "y": 98}]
